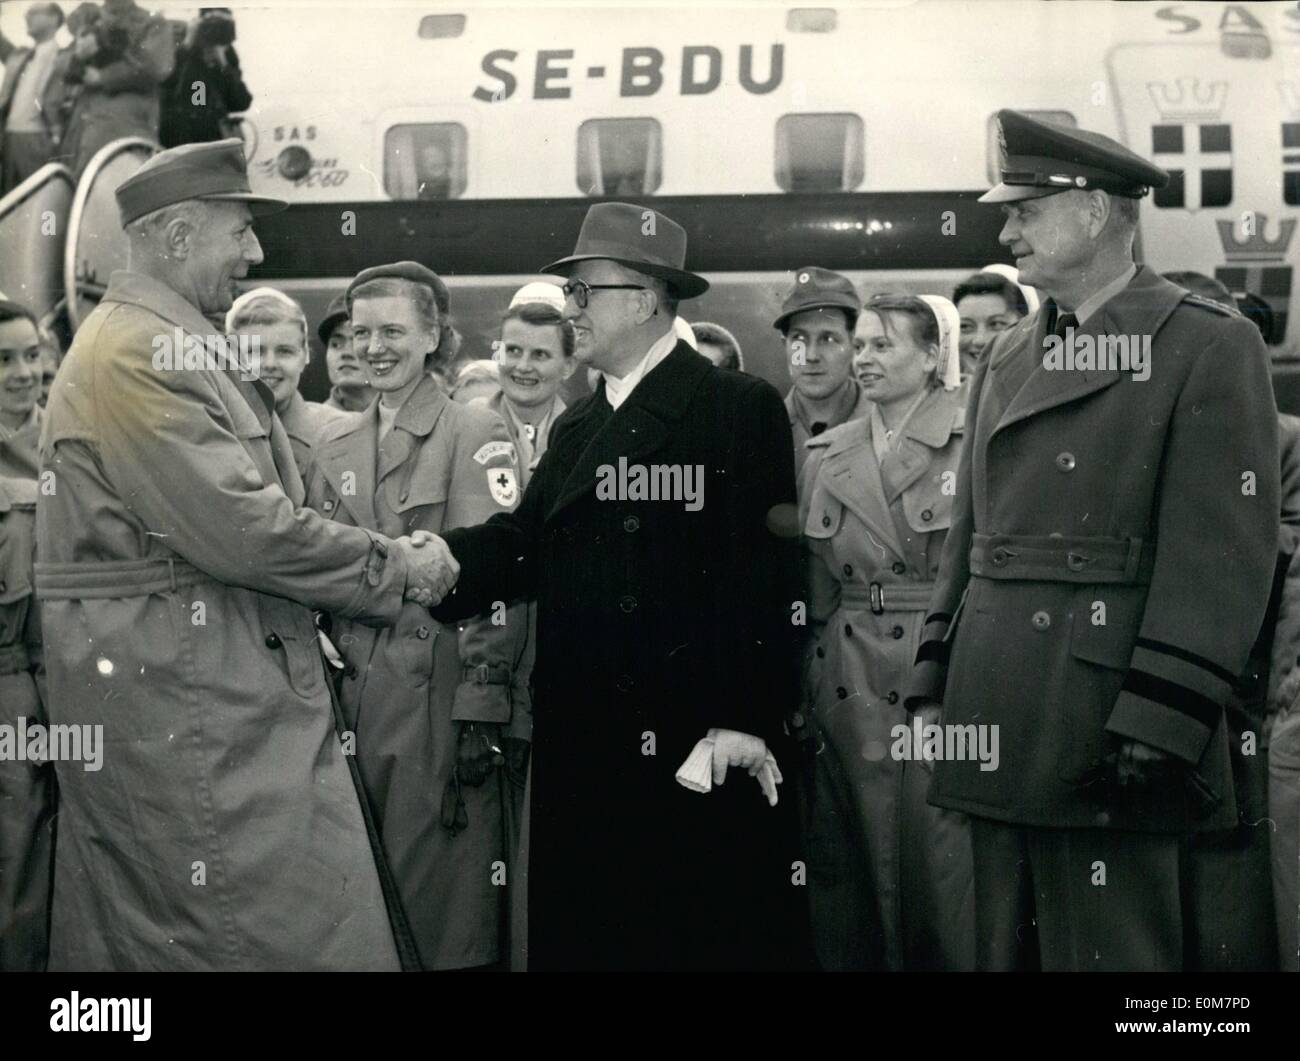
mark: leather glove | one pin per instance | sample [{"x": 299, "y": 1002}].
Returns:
[{"x": 478, "y": 752}]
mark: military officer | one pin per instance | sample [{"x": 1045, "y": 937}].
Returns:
[
  {"x": 1107, "y": 569},
  {"x": 816, "y": 322},
  {"x": 889, "y": 877},
  {"x": 278, "y": 324}
]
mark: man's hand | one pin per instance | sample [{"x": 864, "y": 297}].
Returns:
[
  {"x": 1135, "y": 762},
  {"x": 431, "y": 570},
  {"x": 731, "y": 748}
]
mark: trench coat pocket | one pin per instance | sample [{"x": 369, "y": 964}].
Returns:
[
  {"x": 926, "y": 507},
  {"x": 295, "y": 635},
  {"x": 1103, "y": 632}
]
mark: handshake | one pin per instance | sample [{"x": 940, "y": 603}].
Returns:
[{"x": 431, "y": 570}]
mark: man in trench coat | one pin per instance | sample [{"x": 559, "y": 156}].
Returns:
[
  {"x": 659, "y": 621},
  {"x": 1107, "y": 569},
  {"x": 177, "y": 575}
]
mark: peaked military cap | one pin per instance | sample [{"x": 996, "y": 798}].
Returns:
[
  {"x": 1040, "y": 159},
  {"x": 214, "y": 170}
]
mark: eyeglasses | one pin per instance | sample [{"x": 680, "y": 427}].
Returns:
[{"x": 580, "y": 291}]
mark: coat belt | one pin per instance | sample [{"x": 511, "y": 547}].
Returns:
[
  {"x": 1066, "y": 558},
  {"x": 114, "y": 578},
  {"x": 14, "y": 659},
  {"x": 881, "y": 597}
]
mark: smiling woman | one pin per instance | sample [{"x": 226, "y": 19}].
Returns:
[{"x": 20, "y": 387}]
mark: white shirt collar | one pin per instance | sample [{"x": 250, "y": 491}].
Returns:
[
  {"x": 1094, "y": 302},
  {"x": 617, "y": 390}
]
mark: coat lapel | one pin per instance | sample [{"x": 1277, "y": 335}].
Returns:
[
  {"x": 641, "y": 424},
  {"x": 1139, "y": 310},
  {"x": 352, "y": 452},
  {"x": 929, "y": 429},
  {"x": 415, "y": 421},
  {"x": 851, "y": 474}
]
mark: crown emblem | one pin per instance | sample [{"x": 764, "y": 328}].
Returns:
[
  {"x": 1256, "y": 247},
  {"x": 1187, "y": 100}
]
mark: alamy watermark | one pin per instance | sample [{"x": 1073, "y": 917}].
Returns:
[
  {"x": 187, "y": 352},
  {"x": 655, "y": 482},
  {"x": 1089, "y": 353},
  {"x": 35, "y": 742},
  {"x": 953, "y": 742}
]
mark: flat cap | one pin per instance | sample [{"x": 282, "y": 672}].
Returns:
[
  {"x": 818, "y": 288},
  {"x": 335, "y": 313},
  {"x": 1040, "y": 159},
  {"x": 214, "y": 170},
  {"x": 412, "y": 271}
]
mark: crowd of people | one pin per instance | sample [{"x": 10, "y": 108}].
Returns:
[
  {"x": 124, "y": 73},
  {"x": 398, "y": 680}
]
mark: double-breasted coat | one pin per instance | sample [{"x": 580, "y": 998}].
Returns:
[
  {"x": 177, "y": 574},
  {"x": 26, "y": 788},
  {"x": 655, "y": 624},
  {"x": 889, "y": 877},
  {"x": 1108, "y": 565},
  {"x": 442, "y": 465}
]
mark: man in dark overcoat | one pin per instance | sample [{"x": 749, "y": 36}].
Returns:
[
  {"x": 657, "y": 535},
  {"x": 1108, "y": 566}
]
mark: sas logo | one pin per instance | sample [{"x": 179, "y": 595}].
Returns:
[
  {"x": 1193, "y": 143},
  {"x": 1256, "y": 264}
]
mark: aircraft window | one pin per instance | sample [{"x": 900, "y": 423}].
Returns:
[
  {"x": 437, "y": 27},
  {"x": 811, "y": 20},
  {"x": 425, "y": 161},
  {"x": 620, "y": 156},
  {"x": 819, "y": 152},
  {"x": 994, "y": 156}
]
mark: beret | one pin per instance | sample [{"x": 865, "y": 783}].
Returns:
[
  {"x": 412, "y": 271},
  {"x": 214, "y": 170},
  {"x": 1041, "y": 158}
]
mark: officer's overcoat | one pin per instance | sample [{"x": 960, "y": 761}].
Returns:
[
  {"x": 1108, "y": 566},
  {"x": 223, "y": 830}
]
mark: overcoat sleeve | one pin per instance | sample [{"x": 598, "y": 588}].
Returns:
[
  {"x": 820, "y": 584},
  {"x": 930, "y": 675},
  {"x": 170, "y": 445},
  {"x": 762, "y": 583},
  {"x": 1216, "y": 541},
  {"x": 488, "y": 650}
]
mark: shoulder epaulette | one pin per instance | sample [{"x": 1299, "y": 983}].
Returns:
[{"x": 1211, "y": 305}]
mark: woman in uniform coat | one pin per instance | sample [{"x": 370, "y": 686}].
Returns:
[
  {"x": 428, "y": 703},
  {"x": 889, "y": 876},
  {"x": 280, "y": 328}
]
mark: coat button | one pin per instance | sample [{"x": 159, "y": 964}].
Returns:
[
  {"x": 899, "y": 567},
  {"x": 272, "y": 640},
  {"x": 897, "y": 632},
  {"x": 842, "y": 692},
  {"x": 848, "y": 630},
  {"x": 1041, "y": 620},
  {"x": 631, "y": 524},
  {"x": 627, "y": 604},
  {"x": 624, "y": 683},
  {"x": 797, "y": 720},
  {"x": 1065, "y": 461},
  {"x": 892, "y": 697},
  {"x": 848, "y": 570},
  {"x": 1076, "y": 562},
  {"x": 927, "y": 515},
  {"x": 328, "y": 505},
  {"x": 821, "y": 654},
  {"x": 422, "y": 632},
  {"x": 998, "y": 556},
  {"x": 826, "y": 521}
]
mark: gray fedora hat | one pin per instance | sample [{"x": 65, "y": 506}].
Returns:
[{"x": 638, "y": 238}]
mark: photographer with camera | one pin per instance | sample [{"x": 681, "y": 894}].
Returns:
[{"x": 206, "y": 87}]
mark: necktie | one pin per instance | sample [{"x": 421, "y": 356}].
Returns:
[
  {"x": 1065, "y": 320},
  {"x": 817, "y": 427}
]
